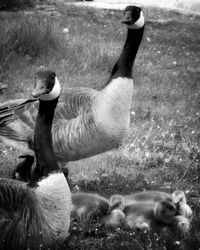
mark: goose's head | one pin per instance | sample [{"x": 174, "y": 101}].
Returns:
[
  {"x": 164, "y": 211},
  {"x": 117, "y": 202},
  {"x": 133, "y": 17},
  {"x": 47, "y": 86}
]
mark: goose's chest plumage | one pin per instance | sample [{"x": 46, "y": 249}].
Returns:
[
  {"x": 54, "y": 197},
  {"x": 100, "y": 125},
  {"x": 112, "y": 110}
]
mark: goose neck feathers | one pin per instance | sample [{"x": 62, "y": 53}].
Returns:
[
  {"x": 124, "y": 65},
  {"x": 55, "y": 200},
  {"x": 134, "y": 20},
  {"x": 45, "y": 157}
]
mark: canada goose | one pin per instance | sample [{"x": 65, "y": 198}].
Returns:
[
  {"x": 88, "y": 206},
  {"x": 37, "y": 215},
  {"x": 178, "y": 197},
  {"x": 86, "y": 122}
]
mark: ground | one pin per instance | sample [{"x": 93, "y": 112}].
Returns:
[
  {"x": 161, "y": 150},
  {"x": 181, "y": 5}
]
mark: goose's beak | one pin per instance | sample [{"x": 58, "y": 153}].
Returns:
[
  {"x": 127, "y": 18},
  {"x": 39, "y": 89}
]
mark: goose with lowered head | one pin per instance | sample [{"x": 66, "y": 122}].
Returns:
[
  {"x": 36, "y": 215},
  {"x": 87, "y": 121}
]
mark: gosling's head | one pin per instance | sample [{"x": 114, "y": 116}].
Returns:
[
  {"x": 164, "y": 211},
  {"x": 178, "y": 196},
  {"x": 180, "y": 201}
]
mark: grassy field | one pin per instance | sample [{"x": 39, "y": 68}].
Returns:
[{"x": 162, "y": 148}]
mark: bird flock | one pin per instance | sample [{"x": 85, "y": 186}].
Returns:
[{"x": 36, "y": 205}]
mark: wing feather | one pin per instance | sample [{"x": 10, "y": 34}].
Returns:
[
  {"x": 18, "y": 213},
  {"x": 17, "y": 118},
  {"x": 74, "y": 102}
]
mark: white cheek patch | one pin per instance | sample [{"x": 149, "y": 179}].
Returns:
[
  {"x": 55, "y": 92},
  {"x": 139, "y": 23}
]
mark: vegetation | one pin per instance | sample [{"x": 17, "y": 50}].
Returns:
[
  {"x": 16, "y": 4},
  {"x": 162, "y": 148}
]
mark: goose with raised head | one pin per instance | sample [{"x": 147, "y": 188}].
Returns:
[
  {"x": 86, "y": 122},
  {"x": 36, "y": 215}
]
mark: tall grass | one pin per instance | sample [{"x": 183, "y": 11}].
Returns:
[
  {"x": 27, "y": 35},
  {"x": 16, "y": 4}
]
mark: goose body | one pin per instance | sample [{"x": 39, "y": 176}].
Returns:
[
  {"x": 36, "y": 215},
  {"x": 86, "y": 122}
]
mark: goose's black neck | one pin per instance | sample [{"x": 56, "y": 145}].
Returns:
[
  {"x": 45, "y": 156},
  {"x": 124, "y": 64}
]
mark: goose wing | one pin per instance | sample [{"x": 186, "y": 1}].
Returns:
[
  {"x": 73, "y": 103},
  {"x": 17, "y": 117},
  {"x": 13, "y": 196},
  {"x": 17, "y": 212}
]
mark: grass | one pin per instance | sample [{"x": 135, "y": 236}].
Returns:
[
  {"x": 162, "y": 148},
  {"x": 16, "y": 4}
]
